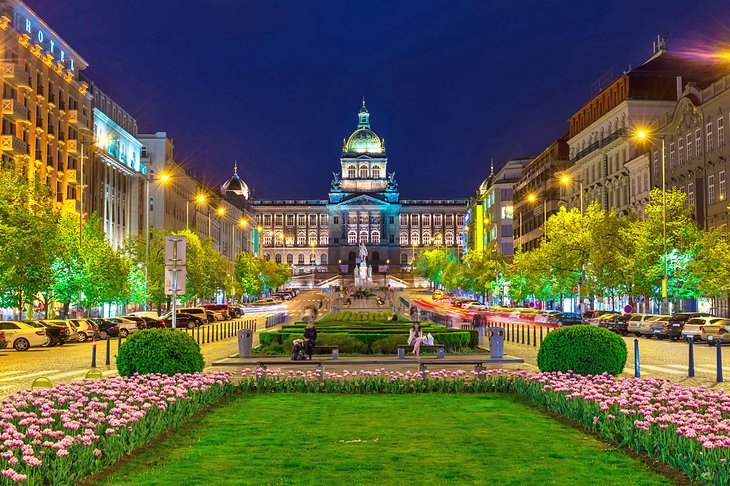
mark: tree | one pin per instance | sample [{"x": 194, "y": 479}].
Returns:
[
  {"x": 431, "y": 262},
  {"x": 67, "y": 266},
  {"x": 711, "y": 265},
  {"x": 247, "y": 272},
  {"x": 27, "y": 223}
]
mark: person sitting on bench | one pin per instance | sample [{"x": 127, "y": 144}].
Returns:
[
  {"x": 415, "y": 336},
  {"x": 310, "y": 339}
]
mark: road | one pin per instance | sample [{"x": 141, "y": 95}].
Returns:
[
  {"x": 73, "y": 360},
  {"x": 658, "y": 358}
]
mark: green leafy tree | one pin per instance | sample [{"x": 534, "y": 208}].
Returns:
[
  {"x": 712, "y": 264},
  {"x": 430, "y": 263},
  {"x": 67, "y": 266},
  {"x": 247, "y": 272}
]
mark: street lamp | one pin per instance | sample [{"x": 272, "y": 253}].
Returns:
[
  {"x": 164, "y": 178},
  {"x": 643, "y": 135},
  {"x": 413, "y": 253},
  {"x": 312, "y": 260},
  {"x": 566, "y": 179}
]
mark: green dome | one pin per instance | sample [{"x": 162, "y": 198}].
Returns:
[{"x": 364, "y": 141}]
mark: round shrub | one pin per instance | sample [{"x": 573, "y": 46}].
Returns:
[
  {"x": 586, "y": 350},
  {"x": 159, "y": 351}
]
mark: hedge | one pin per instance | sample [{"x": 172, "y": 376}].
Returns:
[
  {"x": 586, "y": 350},
  {"x": 164, "y": 351}
]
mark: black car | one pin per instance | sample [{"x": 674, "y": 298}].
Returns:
[
  {"x": 107, "y": 329},
  {"x": 57, "y": 335},
  {"x": 565, "y": 319},
  {"x": 184, "y": 320},
  {"x": 676, "y": 324},
  {"x": 619, "y": 324},
  {"x": 145, "y": 322}
]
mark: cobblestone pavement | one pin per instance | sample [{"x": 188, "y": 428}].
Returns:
[{"x": 73, "y": 360}]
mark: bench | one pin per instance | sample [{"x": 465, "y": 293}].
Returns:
[
  {"x": 327, "y": 349},
  {"x": 477, "y": 363},
  {"x": 403, "y": 348}
]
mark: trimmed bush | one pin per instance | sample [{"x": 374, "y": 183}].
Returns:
[
  {"x": 159, "y": 351},
  {"x": 586, "y": 350},
  {"x": 389, "y": 345}
]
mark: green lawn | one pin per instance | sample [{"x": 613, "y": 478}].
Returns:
[{"x": 379, "y": 439}]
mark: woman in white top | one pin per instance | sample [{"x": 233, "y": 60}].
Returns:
[{"x": 415, "y": 336}]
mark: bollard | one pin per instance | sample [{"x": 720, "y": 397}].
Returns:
[
  {"x": 719, "y": 362},
  {"x": 541, "y": 335},
  {"x": 523, "y": 333},
  {"x": 208, "y": 333},
  {"x": 528, "y": 335},
  {"x": 108, "y": 351},
  {"x": 93, "y": 353},
  {"x": 534, "y": 336},
  {"x": 637, "y": 365},
  {"x": 691, "y": 370}
]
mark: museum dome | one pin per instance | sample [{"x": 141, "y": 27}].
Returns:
[
  {"x": 236, "y": 185},
  {"x": 363, "y": 140}
]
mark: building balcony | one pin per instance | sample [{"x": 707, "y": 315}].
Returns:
[
  {"x": 13, "y": 145},
  {"x": 72, "y": 145},
  {"x": 76, "y": 118},
  {"x": 69, "y": 206},
  {"x": 15, "y": 75},
  {"x": 51, "y": 131},
  {"x": 15, "y": 110},
  {"x": 51, "y": 99},
  {"x": 71, "y": 176},
  {"x": 620, "y": 133}
]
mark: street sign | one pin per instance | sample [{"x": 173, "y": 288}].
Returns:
[
  {"x": 175, "y": 250},
  {"x": 642, "y": 299},
  {"x": 182, "y": 274},
  {"x": 628, "y": 309}
]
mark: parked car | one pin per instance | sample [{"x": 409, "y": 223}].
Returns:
[
  {"x": 646, "y": 328},
  {"x": 107, "y": 329},
  {"x": 71, "y": 333},
  {"x": 150, "y": 314},
  {"x": 57, "y": 333},
  {"x": 22, "y": 335},
  {"x": 198, "y": 312},
  {"x": 591, "y": 317},
  {"x": 660, "y": 327},
  {"x": 604, "y": 320},
  {"x": 564, "y": 319},
  {"x": 85, "y": 329},
  {"x": 222, "y": 311},
  {"x": 284, "y": 295},
  {"x": 237, "y": 310},
  {"x": 126, "y": 327},
  {"x": 618, "y": 323},
  {"x": 694, "y": 327},
  {"x": 634, "y": 322},
  {"x": 717, "y": 332},
  {"x": 183, "y": 319},
  {"x": 677, "y": 322}
]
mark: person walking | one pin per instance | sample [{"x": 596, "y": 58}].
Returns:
[
  {"x": 415, "y": 336},
  {"x": 310, "y": 339}
]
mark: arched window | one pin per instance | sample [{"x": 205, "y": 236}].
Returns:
[
  {"x": 279, "y": 239},
  {"x": 300, "y": 259},
  {"x": 267, "y": 238},
  {"x": 352, "y": 238},
  {"x": 376, "y": 172},
  {"x": 351, "y": 172},
  {"x": 415, "y": 238},
  {"x": 363, "y": 237},
  {"x": 438, "y": 239},
  {"x": 289, "y": 258},
  {"x": 426, "y": 238},
  {"x": 323, "y": 239},
  {"x": 323, "y": 259},
  {"x": 301, "y": 239},
  {"x": 363, "y": 172},
  {"x": 277, "y": 258},
  {"x": 375, "y": 237},
  {"x": 312, "y": 238},
  {"x": 449, "y": 238},
  {"x": 404, "y": 259},
  {"x": 403, "y": 238}
]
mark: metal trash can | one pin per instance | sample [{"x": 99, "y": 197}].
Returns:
[
  {"x": 496, "y": 341},
  {"x": 245, "y": 343}
]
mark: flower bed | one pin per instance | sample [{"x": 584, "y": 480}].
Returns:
[
  {"x": 61, "y": 435},
  {"x": 686, "y": 428}
]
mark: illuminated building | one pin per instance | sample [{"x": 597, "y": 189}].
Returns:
[
  {"x": 363, "y": 206},
  {"x": 491, "y": 209},
  {"x": 46, "y": 107}
]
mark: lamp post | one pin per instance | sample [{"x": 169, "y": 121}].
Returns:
[
  {"x": 312, "y": 260},
  {"x": 220, "y": 212},
  {"x": 566, "y": 179},
  {"x": 413, "y": 253}
]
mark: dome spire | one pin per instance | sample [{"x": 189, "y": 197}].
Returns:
[
  {"x": 491, "y": 168},
  {"x": 363, "y": 118},
  {"x": 235, "y": 168}
]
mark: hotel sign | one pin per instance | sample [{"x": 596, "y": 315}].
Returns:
[{"x": 45, "y": 38}]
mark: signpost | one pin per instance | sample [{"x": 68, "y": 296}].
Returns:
[{"x": 175, "y": 270}]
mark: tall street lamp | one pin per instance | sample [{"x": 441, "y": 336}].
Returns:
[
  {"x": 643, "y": 135},
  {"x": 312, "y": 260},
  {"x": 164, "y": 179},
  {"x": 565, "y": 180}
]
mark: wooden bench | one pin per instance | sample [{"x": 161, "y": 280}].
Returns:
[
  {"x": 403, "y": 348},
  {"x": 327, "y": 349},
  {"x": 477, "y": 363}
]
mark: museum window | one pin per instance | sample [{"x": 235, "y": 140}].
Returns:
[
  {"x": 391, "y": 220},
  {"x": 403, "y": 238},
  {"x": 289, "y": 258},
  {"x": 279, "y": 239},
  {"x": 290, "y": 220},
  {"x": 301, "y": 239},
  {"x": 363, "y": 237},
  {"x": 698, "y": 142},
  {"x": 449, "y": 238},
  {"x": 415, "y": 238},
  {"x": 671, "y": 155},
  {"x": 312, "y": 259},
  {"x": 720, "y": 132},
  {"x": 267, "y": 220},
  {"x": 437, "y": 219},
  {"x": 363, "y": 172},
  {"x": 426, "y": 238},
  {"x": 323, "y": 259},
  {"x": 278, "y": 219},
  {"x": 438, "y": 239},
  {"x": 336, "y": 220},
  {"x": 426, "y": 219},
  {"x": 376, "y": 172},
  {"x": 680, "y": 150},
  {"x": 312, "y": 238},
  {"x": 277, "y": 258},
  {"x": 723, "y": 185},
  {"x": 267, "y": 239},
  {"x": 403, "y": 220},
  {"x": 449, "y": 220},
  {"x": 711, "y": 189},
  {"x": 351, "y": 172},
  {"x": 688, "y": 145},
  {"x": 414, "y": 219},
  {"x": 375, "y": 237},
  {"x": 312, "y": 220},
  {"x": 323, "y": 220},
  {"x": 392, "y": 239},
  {"x": 352, "y": 238},
  {"x": 691, "y": 193},
  {"x": 404, "y": 259},
  {"x": 460, "y": 219},
  {"x": 708, "y": 135},
  {"x": 323, "y": 239},
  {"x": 301, "y": 219},
  {"x": 300, "y": 259}
]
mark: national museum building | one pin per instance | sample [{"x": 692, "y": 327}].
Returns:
[{"x": 364, "y": 206}]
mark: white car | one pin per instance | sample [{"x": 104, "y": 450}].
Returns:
[
  {"x": 695, "y": 327},
  {"x": 198, "y": 312},
  {"x": 148, "y": 314},
  {"x": 23, "y": 335},
  {"x": 73, "y": 335},
  {"x": 474, "y": 304},
  {"x": 85, "y": 329},
  {"x": 126, "y": 327}
]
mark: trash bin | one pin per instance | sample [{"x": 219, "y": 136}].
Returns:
[
  {"x": 496, "y": 341},
  {"x": 245, "y": 343}
]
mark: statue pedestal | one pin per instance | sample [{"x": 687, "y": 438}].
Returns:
[{"x": 363, "y": 276}]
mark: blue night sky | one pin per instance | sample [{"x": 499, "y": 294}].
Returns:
[{"x": 449, "y": 84}]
